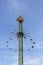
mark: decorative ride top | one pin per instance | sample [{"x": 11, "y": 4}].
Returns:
[{"x": 20, "y": 19}]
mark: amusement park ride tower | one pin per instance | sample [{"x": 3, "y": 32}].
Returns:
[
  {"x": 20, "y": 40},
  {"x": 20, "y": 36}
]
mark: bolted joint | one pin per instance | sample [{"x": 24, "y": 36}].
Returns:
[{"x": 20, "y": 34}]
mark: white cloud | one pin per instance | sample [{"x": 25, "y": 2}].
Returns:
[
  {"x": 39, "y": 45},
  {"x": 14, "y": 63},
  {"x": 34, "y": 61},
  {"x": 31, "y": 61},
  {"x": 2, "y": 44}
]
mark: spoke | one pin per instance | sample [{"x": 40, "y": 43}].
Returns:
[{"x": 14, "y": 30}]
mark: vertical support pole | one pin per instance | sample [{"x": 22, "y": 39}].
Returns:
[
  {"x": 20, "y": 41},
  {"x": 20, "y": 46}
]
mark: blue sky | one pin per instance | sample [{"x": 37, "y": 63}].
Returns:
[{"x": 32, "y": 12}]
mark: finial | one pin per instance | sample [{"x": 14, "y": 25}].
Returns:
[{"x": 20, "y": 19}]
